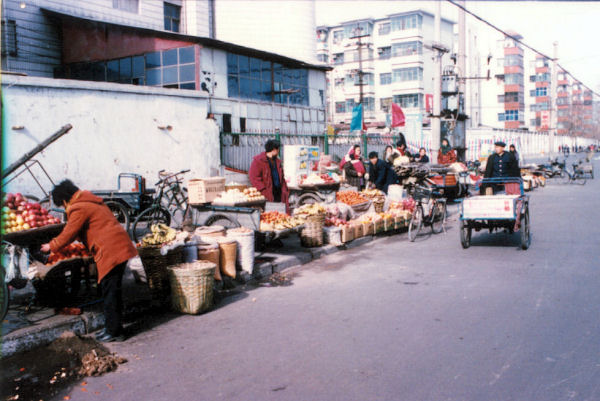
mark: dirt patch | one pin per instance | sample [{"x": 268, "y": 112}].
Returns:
[
  {"x": 42, "y": 373},
  {"x": 278, "y": 280}
]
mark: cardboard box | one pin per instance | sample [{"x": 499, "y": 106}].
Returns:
[
  {"x": 358, "y": 230},
  {"x": 389, "y": 224},
  {"x": 379, "y": 226},
  {"x": 205, "y": 190},
  {"x": 368, "y": 229},
  {"x": 347, "y": 233}
]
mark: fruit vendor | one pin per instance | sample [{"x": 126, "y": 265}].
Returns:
[
  {"x": 381, "y": 174},
  {"x": 446, "y": 155},
  {"x": 92, "y": 222},
  {"x": 266, "y": 174}
]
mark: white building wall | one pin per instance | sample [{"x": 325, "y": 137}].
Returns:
[
  {"x": 283, "y": 27},
  {"x": 115, "y": 129}
]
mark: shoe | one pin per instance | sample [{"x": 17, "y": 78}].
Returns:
[
  {"x": 109, "y": 338},
  {"x": 101, "y": 333}
]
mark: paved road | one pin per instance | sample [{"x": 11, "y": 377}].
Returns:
[{"x": 394, "y": 320}]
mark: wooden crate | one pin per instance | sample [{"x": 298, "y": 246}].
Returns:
[{"x": 205, "y": 190}]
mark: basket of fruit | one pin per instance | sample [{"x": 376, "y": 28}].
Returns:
[
  {"x": 314, "y": 220},
  {"x": 155, "y": 263},
  {"x": 25, "y": 223},
  {"x": 240, "y": 197},
  {"x": 352, "y": 198},
  {"x": 319, "y": 181}
]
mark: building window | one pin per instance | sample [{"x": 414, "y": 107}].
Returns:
[
  {"x": 384, "y": 28},
  {"x": 369, "y": 103},
  {"x": 364, "y": 28},
  {"x": 384, "y": 52},
  {"x": 9, "y": 37},
  {"x": 174, "y": 68},
  {"x": 253, "y": 78},
  {"x": 412, "y": 100},
  {"x": 407, "y": 49},
  {"x": 408, "y": 74},
  {"x": 172, "y": 14},
  {"x": 340, "y": 107},
  {"x": 561, "y": 101},
  {"x": 404, "y": 22},
  {"x": 500, "y": 98},
  {"x": 385, "y": 78},
  {"x": 338, "y": 36},
  {"x": 511, "y": 115},
  {"x": 500, "y": 116},
  {"x": 338, "y": 58},
  {"x": 323, "y": 58},
  {"x": 385, "y": 104},
  {"x": 513, "y": 97},
  {"x": 131, "y": 6},
  {"x": 513, "y": 59},
  {"x": 545, "y": 77},
  {"x": 561, "y": 76},
  {"x": 350, "y": 104},
  {"x": 513, "y": 79},
  {"x": 541, "y": 91}
]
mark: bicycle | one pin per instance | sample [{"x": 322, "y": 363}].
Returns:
[
  {"x": 436, "y": 216},
  {"x": 170, "y": 195},
  {"x": 577, "y": 176}
]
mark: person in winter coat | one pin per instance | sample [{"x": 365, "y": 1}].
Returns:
[
  {"x": 92, "y": 222},
  {"x": 354, "y": 168},
  {"x": 446, "y": 155},
  {"x": 266, "y": 174},
  {"x": 422, "y": 157},
  {"x": 381, "y": 174},
  {"x": 512, "y": 149}
]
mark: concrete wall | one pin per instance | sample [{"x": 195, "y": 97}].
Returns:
[{"x": 115, "y": 129}]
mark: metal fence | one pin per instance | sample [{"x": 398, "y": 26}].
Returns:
[{"x": 238, "y": 149}]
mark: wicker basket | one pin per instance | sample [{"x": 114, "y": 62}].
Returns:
[
  {"x": 192, "y": 286},
  {"x": 312, "y": 233},
  {"x": 155, "y": 267}
]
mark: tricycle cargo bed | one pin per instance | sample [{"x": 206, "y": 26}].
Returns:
[{"x": 489, "y": 207}]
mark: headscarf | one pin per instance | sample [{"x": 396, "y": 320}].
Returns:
[
  {"x": 355, "y": 160},
  {"x": 445, "y": 149}
]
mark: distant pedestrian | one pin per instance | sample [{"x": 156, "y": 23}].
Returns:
[{"x": 514, "y": 152}]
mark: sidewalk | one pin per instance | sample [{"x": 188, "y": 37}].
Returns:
[{"x": 39, "y": 328}]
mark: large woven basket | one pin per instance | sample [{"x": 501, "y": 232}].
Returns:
[
  {"x": 312, "y": 233},
  {"x": 192, "y": 286},
  {"x": 155, "y": 266}
]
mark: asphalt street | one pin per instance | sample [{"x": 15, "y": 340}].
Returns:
[{"x": 394, "y": 320}]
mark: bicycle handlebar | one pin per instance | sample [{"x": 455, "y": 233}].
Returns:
[{"x": 168, "y": 176}]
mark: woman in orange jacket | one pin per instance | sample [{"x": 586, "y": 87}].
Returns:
[{"x": 91, "y": 221}]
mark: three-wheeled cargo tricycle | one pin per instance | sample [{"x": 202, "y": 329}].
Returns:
[{"x": 500, "y": 211}]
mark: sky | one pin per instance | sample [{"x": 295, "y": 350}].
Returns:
[{"x": 574, "y": 25}]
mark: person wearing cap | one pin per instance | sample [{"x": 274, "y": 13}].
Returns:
[
  {"x": 501, "y": 164},
  {"x": 266, "y": 174}
]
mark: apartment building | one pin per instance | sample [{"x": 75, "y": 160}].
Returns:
[
  {"x": 167, "y": 44},
  {"x": 395, "y": 57},
  {"x": 540, "y": 103}
]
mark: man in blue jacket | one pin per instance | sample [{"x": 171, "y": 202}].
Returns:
[{"x": 380, "y": 174}]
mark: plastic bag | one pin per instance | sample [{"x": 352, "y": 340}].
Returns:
[{"x": 16, "y": 262}]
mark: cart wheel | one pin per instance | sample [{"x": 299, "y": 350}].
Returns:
[
  {"x": 307, "y": 199},
  {"x": 221, "y": 220},
  {"x": 146, "y": 219},
  {"x": 439, "y": 217},
  {"x": 4, "y": 296},
  {"x": 416, "y": 222},
  {"x": 525, "y": 230},
  {"x": 119, "y": 212},
  {"x": 465, "y": 234}
]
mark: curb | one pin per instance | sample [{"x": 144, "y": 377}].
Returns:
[{"x": 34, "y": 336}]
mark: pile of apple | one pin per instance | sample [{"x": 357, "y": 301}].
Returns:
[
  {"x": 73, "y": 250},
  {"x": 19, "y": 215}
]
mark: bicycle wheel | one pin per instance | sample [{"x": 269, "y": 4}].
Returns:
[
  {"x": 438, "y": 217},
  {"x": 222, "y": 220},
  {"x": 4, "y": 296},
  {"x": 525, "y": 230},
  {"x": 579, "y": 179},
  {"x": 146, "y": 219},
  {"x": 119, "y": 212},
  {"x": 465, "y": 234},
  {"x": 416, "y": 222},
  {"x": 563, "y": 178}
]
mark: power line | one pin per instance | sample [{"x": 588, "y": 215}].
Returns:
[{"x": 521, "y": 42}]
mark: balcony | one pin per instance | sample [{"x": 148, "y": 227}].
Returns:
[
  {"x": 541, "y": 70},
  {"x": 513, "y": 88},
  {"x": 513, "y": 69},
  {"x": 543, "y": 84}
]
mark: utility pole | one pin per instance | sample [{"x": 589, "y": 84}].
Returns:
[
  {"x": 359, "y": 35},
  {"x": 460, "y": 130},
  {"x": 437, "y": 83},
  {"x": 553, "y": 117}
]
